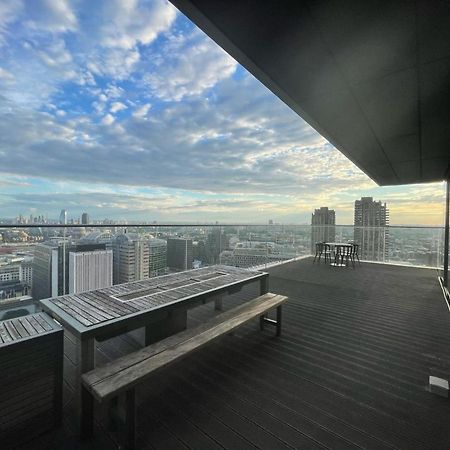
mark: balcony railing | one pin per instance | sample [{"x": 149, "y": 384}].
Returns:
[{"x": 32, "y": 261}]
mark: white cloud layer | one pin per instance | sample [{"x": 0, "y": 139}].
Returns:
[{"x": 188, "y": 66}]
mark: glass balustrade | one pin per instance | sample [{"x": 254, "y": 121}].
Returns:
[{"x": 45, "y": 261}]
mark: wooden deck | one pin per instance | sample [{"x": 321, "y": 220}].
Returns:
[{"x": 349, "y": 371}]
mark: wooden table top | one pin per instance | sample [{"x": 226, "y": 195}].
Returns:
[{"x": 100, "y": 307}]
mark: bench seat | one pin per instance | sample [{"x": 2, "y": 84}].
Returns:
[{"x": 123, "y": 374}]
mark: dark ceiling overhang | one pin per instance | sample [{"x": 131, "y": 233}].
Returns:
[{"x": 372, "y": 77}]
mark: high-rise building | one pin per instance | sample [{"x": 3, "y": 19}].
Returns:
[
  {"x": 90, "y": 270},
  {"x": 179, "y": 253},
  {"x": 371, "y": 229},
  {"x": 216, "y": 242},
  {"x": 85, "y": 219},
  {"x": 63, "y": 217},
  {"x": 51, "y": 267},
  {"x": 323, "y": 228},
  {"x": 131, "y": 258},
  {"x": 157, "y": 257}
]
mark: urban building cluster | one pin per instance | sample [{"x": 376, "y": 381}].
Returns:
[{"x": 40, "y": 262}]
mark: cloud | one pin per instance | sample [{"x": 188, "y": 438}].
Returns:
[
  {"x": 117, "y": 106},
  {"x": 9, "y": 12},
  {"x": 6, "y": 76},
  {"x": 142, "y": 111},
  {"x": 120, "y": 28},
  {"x": 187, "y": 66},
  {"x": 127, "y": 23},
  {"x": 251, "y": 144},
  {"x": 108, "y": 119},
  {"x": 52, "y": 15}
]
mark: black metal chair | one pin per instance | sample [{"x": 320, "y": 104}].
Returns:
[
  {"x": 343, "y": 252},
  {"x": 322, "y": 249},
  {"x": 354, "y": 254}
]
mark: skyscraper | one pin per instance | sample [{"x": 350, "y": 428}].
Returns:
[
  {"x": 370, "y": 231},
  {"x": 323, "y": 229},
  {"x": 63, "y": 217},
  {"x": 85, "y": 219},
  {"x": 131, "y": 258},
  {"x": 179, "y": 253}
]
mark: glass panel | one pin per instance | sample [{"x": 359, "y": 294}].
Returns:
[{"x": 44, "y": 261}]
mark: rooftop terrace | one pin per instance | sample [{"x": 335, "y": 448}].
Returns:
[{"x": 350, "y": 370}]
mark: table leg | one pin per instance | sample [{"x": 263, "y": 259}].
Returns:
[
  {"x": 174, "y": 323},
  {"x": 218, "y": 302}
]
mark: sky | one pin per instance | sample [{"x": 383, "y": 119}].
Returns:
[{"x": 126, "y": 110}]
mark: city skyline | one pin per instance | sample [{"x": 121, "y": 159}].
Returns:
[{"x": 137, "y": 115}]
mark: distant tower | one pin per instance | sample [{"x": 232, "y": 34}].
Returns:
[
  {"x": 85, "y": 219},
  {"x": 371, "y": 229},
  {"x": 63, "y": 217},
  {"x": 323, "y": 228}
]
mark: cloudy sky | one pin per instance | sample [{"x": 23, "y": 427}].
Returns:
[{"x": 126, "y": 110}]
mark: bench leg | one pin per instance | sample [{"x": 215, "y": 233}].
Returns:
[
  {"x": 261, "y": 321},
  {"x": 278, "y": 320},
  {"x": 130, "y": 419},
  {"x": 87, "y": 414}
]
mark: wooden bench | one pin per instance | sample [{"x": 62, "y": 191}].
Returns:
[{"x": 123, "y": 374}]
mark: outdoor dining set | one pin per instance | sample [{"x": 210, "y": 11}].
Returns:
[{"x": 338, "y": 254}]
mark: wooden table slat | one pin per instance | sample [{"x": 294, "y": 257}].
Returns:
[
  {"x": 12, "y": 330},
  {"x": 42, "y": 322},
  {"x": 92, "y": 309},
  {"x": 4, "y": 333},
  {"x": 73, "y": 311},
  {"x": 27, "y": 325},
  {"x": 37, "y": 326}
]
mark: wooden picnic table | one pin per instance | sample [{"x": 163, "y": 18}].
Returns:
[{"x": 158, "y": 304}]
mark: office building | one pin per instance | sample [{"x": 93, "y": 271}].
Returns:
[
  {"x": 26, "y": 272},
  {"x": 371, "y": 229},
  {"x": 10, "y": 272},
  {"x": 85, "y": 219},
  {"x": 323, "y": 228},
  {"x": 90, "y": 270},
  {"x": 51, "y": 267},
  {"x": 216, "y": 242},
  {"x": 157, "y": 257},
  {"x": 131, "y": 258},
  {"x": 179, "y": 253}
]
